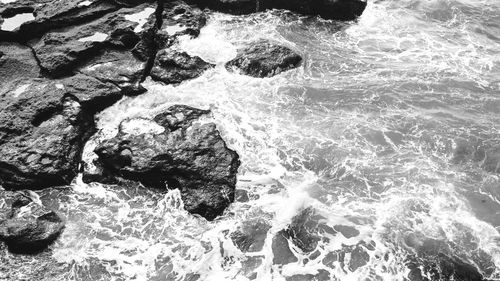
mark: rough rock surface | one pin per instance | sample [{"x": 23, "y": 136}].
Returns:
[
  {"x": 174, "y": 149},
  {"x": 328, "y": 9},
  {"x": 29, "y": 227},
  {"x": 61, "y": 51},
  {"x": 264, "y": 59},
  {"x": 16, "y": 61},
  {"x": 172, "y": 67},
  {"x": 251, "y": 235},
  {"x": 43, "y": 127}
]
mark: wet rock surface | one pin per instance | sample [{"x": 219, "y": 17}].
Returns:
[
  {"x": 172, "y": 67},
  {"x": 264, "y": 59},
  {"x": 329, "y": 9},
  {"x": 44, "y": 126},
  {"x": 178, "y": 152},
  {"x": 251, "y": 235},
  {"x": 28, "y": 227}
]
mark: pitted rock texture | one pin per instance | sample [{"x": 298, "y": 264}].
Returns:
[
  {"x": 44, "y": 125},
  {"x": 264, "y": 59},
  {"x": 28, "y": 227},
  {"x": 173, "y": 67},
  {"x": 177, "y": 151}
]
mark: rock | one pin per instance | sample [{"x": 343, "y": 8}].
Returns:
[
  {"x": 306, "y": 230},
  {"x": 328, "y": 9},
  {"x": 174, "y": 150},
  {"x": 54, "y": 14},
  {"x": 251, "y": 235},
  {"x": 322, "y": 275},
  {"x": 178, "y": 18},
  {"x": 264, "y": 59},
  {"x": 16, "y": 61},
  {"x": 44, "y": 125},
  {"x": 172, "y": 67},
  {"x": 433, "y": 259},
  {"x": 281, "y": 250},
  {"x": 61, "y": 52},
  {"x": 32, "y": 229},
  {"x": 119, "y": 68},
  {"x": 241, "y": 195}
]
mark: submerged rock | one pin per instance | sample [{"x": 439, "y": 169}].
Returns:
[
  {"x": 328, "y": 9},
  {"x": 264, "y": 59},
  {"x": 175, "y": 150},
  {"x": 487, "y": 155},
  {"x": 44, "y": 125},
  {"x": 281, "y": 250},
  {"x": 172, "y": 67},
  {"x": 30, "y": 227},
  {"x": 433, "y": 261},
  {"x": 251, "y": 235}
]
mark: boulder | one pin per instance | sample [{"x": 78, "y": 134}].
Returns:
[
  {"x": 44, "y": 125},
  {"x": 30, "y": 227},
  {"x": 251, "y": 235},
  {"x": 307, "y": 229},
  {"x": 173, "y": 150},
  {"x": 173, "y": 67},
  {"x": 53, "y": 14},
  {"x": 328, "y": 9},
  {"x": 264, "y": 59}
]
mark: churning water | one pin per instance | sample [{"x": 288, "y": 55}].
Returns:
[{"x": 364, "y": 132}]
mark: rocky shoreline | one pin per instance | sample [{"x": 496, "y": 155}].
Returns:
[
  {"x": 73, "y": 59},
  {"x": 70, "y": 60}
]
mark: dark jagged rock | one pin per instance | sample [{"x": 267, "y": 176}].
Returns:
[
  {"x": 306, "y": 230},
  {"x": 119, "y": 68},
  {"x": 31, "y": 230},
  {"x": 433, "y": 259},
  {"x": 172, "y": 67},
  {"x": 328, "y": 9},
  {"x": 60, "y": 52},
  {"x": 16, "y": 61},
  {"x": 55, "y": 14},
  {"x": 251, "y": 235},
  {"x": 173, "y": 149},
  {"x": 264, "y": 59},
  {"x": 178, "y": 18},
  {"x": 43, "y": 127}
]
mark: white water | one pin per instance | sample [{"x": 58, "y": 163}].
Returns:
[{"x": 363, "y": 132}]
